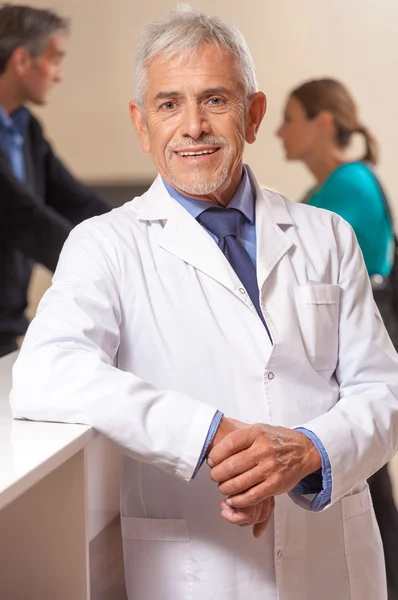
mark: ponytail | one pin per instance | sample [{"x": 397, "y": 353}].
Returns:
[{"x": 372, "y": 148}]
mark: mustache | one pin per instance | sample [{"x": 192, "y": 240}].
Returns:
[{"x": 189, "y": 143}]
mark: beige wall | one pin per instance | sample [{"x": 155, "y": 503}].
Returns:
[{"x": 355, "y": 40}]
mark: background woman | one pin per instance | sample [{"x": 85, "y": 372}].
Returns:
[{"x": 320, "y": 118}]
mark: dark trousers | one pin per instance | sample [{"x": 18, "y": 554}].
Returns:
[
  {"x": 387, "y": 519},
  {"x": 384, "y": 300},
  {"x": 8, "y": 346},
  {"x": 380, "y": 482}
]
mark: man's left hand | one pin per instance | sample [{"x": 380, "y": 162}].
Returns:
[{"x": 260, "y": 461}]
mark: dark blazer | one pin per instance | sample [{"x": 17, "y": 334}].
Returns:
[{"x": 36, "y": 217}]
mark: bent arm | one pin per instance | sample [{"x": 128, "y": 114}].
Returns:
[
  {"x": 67, "y": 368},
  {"x": 28, "y": 225},
  {"x": 68, "y": 196}
]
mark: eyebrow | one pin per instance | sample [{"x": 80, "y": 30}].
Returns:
[
  {"x": 164, "y": 95},
  {"x": 206, "y": 92},
  {"x": 216, "y": 90}
]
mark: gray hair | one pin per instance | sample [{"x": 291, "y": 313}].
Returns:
[
  {"x": 28, "y": 27},
  {"x": 181, "y": 33}
]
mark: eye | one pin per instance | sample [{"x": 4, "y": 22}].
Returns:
[
  {"x": 169, "y": 105},
  {"x": 216, "y": 101}
]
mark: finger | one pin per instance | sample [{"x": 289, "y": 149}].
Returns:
[
  {"x": 234, "y": 442},
  {"x": 236, "y": 517},
  {"x": 263, "y": 521},
  {"x": 244, "y": 516},
  {"x": 244, "y": 481},
  {"x": 249, "y": 516},
  {"x": 235, "y": 465},
  {"x": 253, "y": 496},
  {"x": 227, "y": 509},
  {"x": 259, "y": 528}
]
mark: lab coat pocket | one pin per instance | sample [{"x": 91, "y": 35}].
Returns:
[
  {"x": 157, "y": 559},
  {"x": 318, "y": 313},
  {"x": 364, "y": 557}
]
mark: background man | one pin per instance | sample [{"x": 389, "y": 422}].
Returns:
[{"x": 40, "y": 201}]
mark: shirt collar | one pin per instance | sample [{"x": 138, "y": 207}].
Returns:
[
  {"x": 242, "y": 200},
  {"x": 16, "y": 122}
]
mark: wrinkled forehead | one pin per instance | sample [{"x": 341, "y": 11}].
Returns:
[{"x": 208, "y": 63}]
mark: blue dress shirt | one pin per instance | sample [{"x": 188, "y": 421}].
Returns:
[
  {"x": 12, "y": 131},
  {"x": 319, "y": 483}
]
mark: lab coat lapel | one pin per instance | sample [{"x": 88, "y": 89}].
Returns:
[
  {"x": 272, "y": 218},
  {"x": 184, "y": 237}
]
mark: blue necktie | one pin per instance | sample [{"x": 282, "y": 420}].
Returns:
[{"x": 225, "y": 224}]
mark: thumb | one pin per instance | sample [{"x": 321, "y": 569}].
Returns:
[{"x": 259, "y": 528}]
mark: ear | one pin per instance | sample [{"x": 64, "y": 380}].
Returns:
[
  {"x": 325, "y": 120},
  {"x": 257, "y": 110},
  {"x": 20, "y": 60},
  {"x": 139, "y": 121}
]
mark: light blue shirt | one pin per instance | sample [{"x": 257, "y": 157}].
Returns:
[
  {"x": 12, "y": 131},
  {"x": 319, "y": 483}
]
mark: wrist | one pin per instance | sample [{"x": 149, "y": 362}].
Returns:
[
  {"x": 312, "y": 461},
  {"x": 225, "y": 427}
]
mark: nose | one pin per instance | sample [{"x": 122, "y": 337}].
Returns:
[
  {"x": 58, "y": 76},
  {"x": 279, "y": 132},
  {"x": 194, "y": 122}
]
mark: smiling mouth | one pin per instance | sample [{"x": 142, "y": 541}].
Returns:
[{"x": 197, "y": 153}]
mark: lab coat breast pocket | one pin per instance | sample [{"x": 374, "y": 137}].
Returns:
[{"x": 318, "y": 307}]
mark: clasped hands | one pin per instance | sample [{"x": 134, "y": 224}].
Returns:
[{"x": 254, "y": 463}]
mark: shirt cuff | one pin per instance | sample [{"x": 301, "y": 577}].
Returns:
[
  {"x": 320, "y": 482},
  {"x": 209, "y": 438}
]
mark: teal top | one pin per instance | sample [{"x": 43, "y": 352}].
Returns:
[{"x": 352, "y": 192}]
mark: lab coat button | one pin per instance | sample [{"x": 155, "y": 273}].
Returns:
[
  {"x": 271, "y": 376},
  {"x": 242, "y": 290},
  {"x": 279, "y": 554}
]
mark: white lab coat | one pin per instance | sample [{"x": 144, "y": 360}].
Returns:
[{"x": 146, "y": 331}]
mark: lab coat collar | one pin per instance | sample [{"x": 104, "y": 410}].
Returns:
[{"x": 184, "y": 237}]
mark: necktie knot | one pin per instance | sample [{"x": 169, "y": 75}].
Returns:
[
  {"x": 221, "y": 221},
  {"x": 225, "y": 224}
]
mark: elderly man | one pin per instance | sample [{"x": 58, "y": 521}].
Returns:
[{"x": 205, "y": 306}]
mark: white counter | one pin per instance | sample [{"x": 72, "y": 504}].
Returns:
[
  {"x": 48, "y": 474},
  {"x": 29, "y": 451}
]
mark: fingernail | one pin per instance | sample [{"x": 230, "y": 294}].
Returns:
[
  {"x": 229, "y": 501},
  {"x": 210, "y": 463}
]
